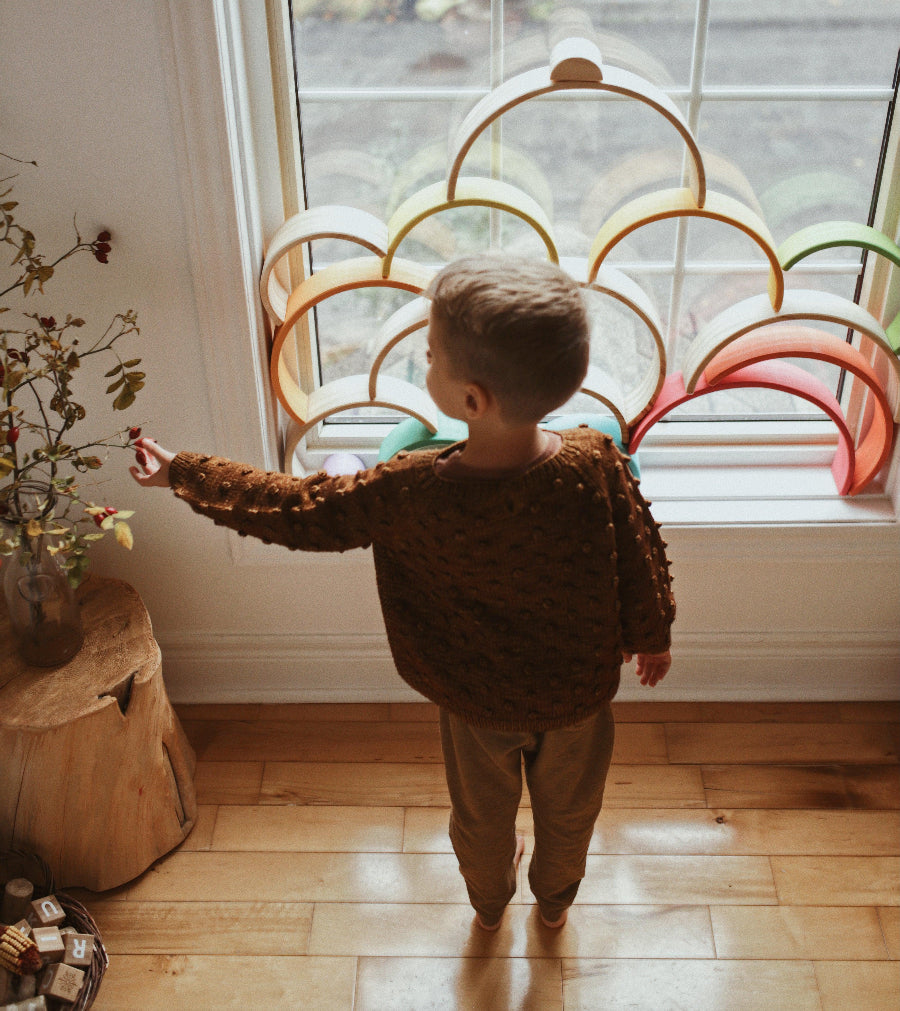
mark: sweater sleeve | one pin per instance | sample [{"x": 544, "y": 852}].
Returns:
[
  {"x": 647, "y": 607},
  {"x": 316, "y": 513}
]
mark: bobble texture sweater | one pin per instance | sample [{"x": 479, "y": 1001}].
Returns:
[{"x": 508, "y": 601}]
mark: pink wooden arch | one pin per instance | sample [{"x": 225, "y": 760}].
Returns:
[
  {"x": 806, "y": 342},
  {"x": 772, "y": 376}
]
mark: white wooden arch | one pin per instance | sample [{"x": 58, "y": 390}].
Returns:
[
  {"x": 574, "y": 65},
  {"x": 756, "y": 312}
]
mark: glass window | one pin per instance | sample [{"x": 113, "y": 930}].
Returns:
[{"x": 787, "y": 102}]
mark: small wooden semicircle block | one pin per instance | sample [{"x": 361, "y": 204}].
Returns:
[{"x": 575, "y": 59}]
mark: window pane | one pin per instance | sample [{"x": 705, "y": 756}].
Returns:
[
  {"x": 805, "y": 161},
  {"x": 842, "y": 42}
]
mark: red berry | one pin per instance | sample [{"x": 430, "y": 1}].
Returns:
[
  {"x": 104, "y": 236},
  {"x": 48, "y": 322},
  {"x": 100, "y": 257},
  {"x": 141, "y": 457},
  {"x": 98, "y": 519},
  {"x": 12, "y": 436},
  {"x": 134, "y": 433},
  {"x": 110, "y": 511}
]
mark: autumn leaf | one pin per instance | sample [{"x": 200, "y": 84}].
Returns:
[{"x": 124, "y": 535}]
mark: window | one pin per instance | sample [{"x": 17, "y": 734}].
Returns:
[{"x": 787, "y": 103}]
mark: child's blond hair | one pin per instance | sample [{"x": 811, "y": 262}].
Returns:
[{"x": 516, "y": 326}]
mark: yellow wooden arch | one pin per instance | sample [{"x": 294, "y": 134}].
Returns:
[
  {"x": 343, "y": 276},
  {"x": 470, "y": 192},
  {"x": 680, "y": 202}
]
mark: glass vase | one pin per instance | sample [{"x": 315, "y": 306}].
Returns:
[{"x": 44, "y": 615}]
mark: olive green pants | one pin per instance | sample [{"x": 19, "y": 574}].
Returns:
[{"x": 566, "y": 772}]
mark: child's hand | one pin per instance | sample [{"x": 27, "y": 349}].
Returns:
[
  {"x": 154, "y": 461},
  {"x": 651, "y": 667}
]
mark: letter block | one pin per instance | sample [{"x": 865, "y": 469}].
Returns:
[
  {"x": 62, "y": 982},
  {"x": 49, "y": 943},
  {"x": 79, "y": 949},
  {"x": 47, "y": 912}
]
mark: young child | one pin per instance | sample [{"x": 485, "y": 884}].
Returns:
[{"x": 516, "y": 570}]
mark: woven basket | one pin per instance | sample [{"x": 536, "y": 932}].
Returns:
[{"x": 19, "y": 864}]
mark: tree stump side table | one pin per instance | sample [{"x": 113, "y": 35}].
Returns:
[{"x": 96, "y": 774}]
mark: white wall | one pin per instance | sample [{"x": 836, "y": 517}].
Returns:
[{"x": 763, "y": 613}]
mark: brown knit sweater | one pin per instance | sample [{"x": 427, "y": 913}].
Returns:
[{"x": 508, "y": 601}]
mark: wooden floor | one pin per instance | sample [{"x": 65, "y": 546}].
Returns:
[{"x": 747, "y": 857}]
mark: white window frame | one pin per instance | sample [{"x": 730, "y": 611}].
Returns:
[{"x": 231, "y": 159}]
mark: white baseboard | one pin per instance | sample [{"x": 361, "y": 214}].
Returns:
[{"x": 762, "y": 667}]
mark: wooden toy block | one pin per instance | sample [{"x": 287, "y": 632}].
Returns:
[
  {"x": 47, "y": 912},
  {"x": 49, "y": 943},
  {"x": 24, "y": 928},
  {"x": 62, "y": 982},
  {"x": 79, "y": 949},
  {"x": 17, "y": 896}
]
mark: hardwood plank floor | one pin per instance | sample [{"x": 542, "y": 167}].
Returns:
[{"x": 747, "y": 857}]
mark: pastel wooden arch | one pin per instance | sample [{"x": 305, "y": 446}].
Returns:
[
  {"x": 349, "y": 392},
  {"x": 624, "y": 289},
  {"x": 780, "y": 376},
  {"x": 406, "y": 320},
  {"x": 829, "y": 234},
  {"x": 470, "y": 192},
  {"x": 343, "y": 276},
  {"x": 756, "y": 312},
  {"x": 600, "y": 385},
  {"x": 806, "y": 342},
  {"x": 574, "y": 65},
  {"x": 331, "y": 221},
  {"x": 679, "y": 203}
]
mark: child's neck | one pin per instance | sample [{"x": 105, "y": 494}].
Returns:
[{"x": 495, "y": 445}]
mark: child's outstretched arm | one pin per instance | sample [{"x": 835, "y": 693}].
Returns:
[{"x": 153, "y": 464}]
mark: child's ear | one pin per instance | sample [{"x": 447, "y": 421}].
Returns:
[{"x": 478, "y": 401}]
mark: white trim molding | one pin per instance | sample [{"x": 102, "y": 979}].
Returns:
[{"x": 816, "y": 665}]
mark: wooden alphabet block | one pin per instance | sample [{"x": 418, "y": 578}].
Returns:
[
  {"x": 24, "y": 927},
  {"x": 47, "y": 912},
  {"x": 50, "y": 944},
  {"x": 17, "y": 895},
  {"x": 79, "y": 949},
  {"x": 62, "y": 982}
]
